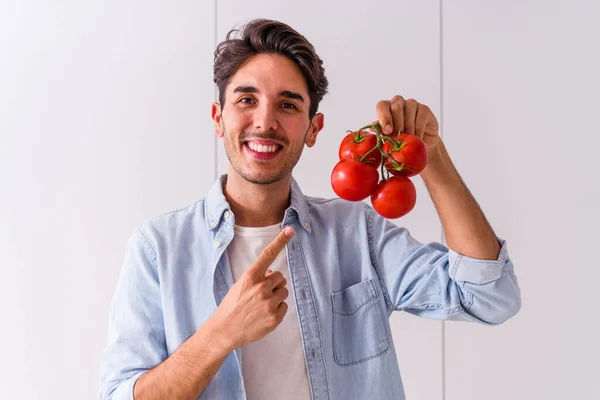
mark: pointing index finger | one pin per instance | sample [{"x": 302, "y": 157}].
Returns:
[{"x": 269, "y": 253}]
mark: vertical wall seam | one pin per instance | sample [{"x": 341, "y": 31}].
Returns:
[
  {"x": 441, "y": 39},
  {"x": 216, "y": 92}
]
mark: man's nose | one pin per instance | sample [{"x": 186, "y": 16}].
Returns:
[{"x": 265, "y": 119}]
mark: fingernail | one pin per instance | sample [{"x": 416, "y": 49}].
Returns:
[
  {"x": 388, "y": 128},
  {"x": 288, "y": 231}
]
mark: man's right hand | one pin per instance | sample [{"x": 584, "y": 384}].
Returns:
[{"x": 254, "y": 306}]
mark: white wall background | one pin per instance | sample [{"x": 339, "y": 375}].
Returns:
[{"x": 104, "y": 122}]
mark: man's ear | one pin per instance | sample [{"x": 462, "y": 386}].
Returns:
[
  {"x": 216, "y": 115},
  {"x": 316, "y": 125}
]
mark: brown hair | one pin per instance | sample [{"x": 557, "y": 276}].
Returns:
[{"x": 268, "y": 36}]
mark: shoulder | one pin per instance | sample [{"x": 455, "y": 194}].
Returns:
[
  {"x": 336, "y": 210},
  {"x": 336, "y": 204},
  {"x": 360, "y": 215}
]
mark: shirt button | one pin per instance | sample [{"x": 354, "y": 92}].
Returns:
[
  {"x": 217, "y": 244},
  {"x": 306, "y": 224},
  {"x": 227, "y": 214},
  {"x": 211, "y": 225}
]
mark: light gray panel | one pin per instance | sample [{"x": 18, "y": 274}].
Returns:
[
  {"x": 104, "y": 123},
  {"x": 371, "y": 51},
  {"x": 521, "y": 103}
]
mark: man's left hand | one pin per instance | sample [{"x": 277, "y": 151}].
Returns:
[{"x": 411, "y": 117}]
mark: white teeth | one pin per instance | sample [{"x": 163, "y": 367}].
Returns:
[{"x": 262, "y": 148}]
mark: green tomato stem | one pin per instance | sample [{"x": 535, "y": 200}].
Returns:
[
  {"x": 362, "y": 159},
  {"x": 386, "y": 157},
  {"x": 383, "y": 153}
]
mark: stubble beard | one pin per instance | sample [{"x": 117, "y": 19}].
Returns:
[{"x": 293, "y": 151}]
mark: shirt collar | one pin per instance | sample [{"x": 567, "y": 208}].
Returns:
[{"x": 216, "y": 205}]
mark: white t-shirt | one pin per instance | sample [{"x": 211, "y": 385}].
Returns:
[{"x": 274, "y": 366}]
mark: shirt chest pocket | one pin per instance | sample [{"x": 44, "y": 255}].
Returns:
[{"x": 359, "y": 332}]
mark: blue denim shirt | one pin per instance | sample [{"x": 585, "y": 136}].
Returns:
[{"x": 349, "y": 267}]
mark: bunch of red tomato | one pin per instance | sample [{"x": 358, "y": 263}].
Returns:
[{"x": 355, "y": 177}]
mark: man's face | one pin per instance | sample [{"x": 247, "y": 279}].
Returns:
[{"x": 265, "y": 119}]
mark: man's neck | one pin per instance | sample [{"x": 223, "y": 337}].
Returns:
[{"x": 257, "y": 205}]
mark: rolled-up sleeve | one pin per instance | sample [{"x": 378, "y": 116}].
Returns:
[
  {"x": 136, "y": 335},
  {"x": 433, "y": 281}
]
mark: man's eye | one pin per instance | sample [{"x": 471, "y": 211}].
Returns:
[
  {"x": 246, "y": 100},
  {"x": 289, "y": 105}
]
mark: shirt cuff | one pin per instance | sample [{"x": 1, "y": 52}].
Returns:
[
  {"x": 473, "y": 270},
  {"x": 125, "y": 390}
]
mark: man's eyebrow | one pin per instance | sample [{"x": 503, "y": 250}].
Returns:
[
  {"x": 291, "y": 95},
  {"x": 245, "y": 89}
]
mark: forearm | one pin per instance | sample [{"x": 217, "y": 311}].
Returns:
[
  {"x": 466, "y": 229},
  {"x": 189, "y": 370}
]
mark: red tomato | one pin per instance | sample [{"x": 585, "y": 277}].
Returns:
[
  {"x": 395, "y": 197},
  {"x": 412, "y": 152},
  {"x": 353, "y": 180},
  {"x": 355, "y": 145}
]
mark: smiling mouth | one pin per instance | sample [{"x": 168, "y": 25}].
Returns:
[{"x": 262, "y": 150}]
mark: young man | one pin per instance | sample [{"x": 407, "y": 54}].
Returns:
[{"x": 200, "y": 310}]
